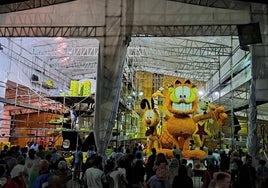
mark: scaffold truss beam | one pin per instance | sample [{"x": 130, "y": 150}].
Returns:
[
  {"x": 226, "y": 4},
  {"x": 184, "y": 30},
  {"x": 7, "y": 6},
  {"x": 99, "y": 31},
  {"x": 179, "y": 51}
]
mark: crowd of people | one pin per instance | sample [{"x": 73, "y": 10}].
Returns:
[
  {"x": 35, "y": 168},
  {"x": 234, "y": 169}
]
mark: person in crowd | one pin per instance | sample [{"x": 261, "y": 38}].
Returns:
[
  {"x": 234, "y": 161},
  {"x": 150, "y": 164},
  {"x": 247, "y": 174},
  {"x": 94, "y": 176},
  {"x": 161, "y": 177},
  {"x": 173, "y": 168},
  {"x": 138, "y": 171},
  {"x": 4, "y": 151},
  {"x": 44, "y": 175},
  {"x": 73, "y": 117},
  {"x": 224, "y": 161},
  {"x": 11, "y": 160},
  {"x": 190, "y": 171},
  {"x": 119, "y": 153},
  {"x": 139, "y": 150},
  {"x": 55, "y": 157},
  {"x": 182, "y": 179},
  {"x": 42, "y": 142},
  {"x": 41, "y": 152},
  {"x": 135, "y": 148},
  {"x": 91, "y": 151},
  {"x": 78, "y": 162},
  {"x": 19, "y": 172},
  {"x": 210, "y": 159},
  {"x": 208, "y": 176},
  {"x": 63, "y": 172},
  {"x": 108, "y": 168},
  {"x": 24, "y": 152},
  {"x": 56, "y": 182},
  {"x": 18, "y": 151},
  {"x": 34, "y": 146},
  {"x": 129, "y": 161},
  {"x": 5, "y": 181},
  {"x": 31, "y": 164},
  {"x": 265, "y": 183},
  {"x": 220, "y": 180},
  {"x": 261, "y": 173},
  {"x": 113, "y": 154},
  {"x": 119, "y": 174}
]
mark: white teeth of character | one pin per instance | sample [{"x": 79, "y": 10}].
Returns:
[{"x": 182, "y": 106}]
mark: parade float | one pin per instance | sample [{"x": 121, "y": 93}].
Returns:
[{"x": 181, "y": 121}]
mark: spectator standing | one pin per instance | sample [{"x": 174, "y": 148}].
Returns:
[
  {"x": 19, "y": 172},
  {"x": 210, "y": 159},
  {"x": 6, "y": 182},
  {"x": 247, "y": 174},
  {"x": 94, "y": 176},
  {"x": 129, "y": 161},
  {"x": 138, "y": 171},
  {"x": 91, "y": 151},
  {"x": 64, "y": 173},
  {"x": 55, "y": 157},
  {"x": 161, "y": 177},
  {"x": 261, "y": 173},
  {"x": 34, "y": 146},
  {"x": 31, "y": 164},
  {"x": 208, "y": 176},
  {"x": 73, "y": 117},
  {"x": 44, "y": 175},
  {"x": 190, "y": 171},
  {"x": 173, "y": 169},
  {"x": 4, "y": 151},
  {"x": 224, "y": 161},
  {"x": 234, "y": 163},
  {"x": 182, "y": 179},
  {"x": 220, "y": 180},
  {"x": 119, "y": 175},
  {"x": 78, "y": 162},
  {"x": 149, "y": 165}
]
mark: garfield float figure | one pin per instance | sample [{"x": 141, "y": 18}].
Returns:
[
  {"x": 151, "y": 119},
  {"x": 182, "y": 102}
]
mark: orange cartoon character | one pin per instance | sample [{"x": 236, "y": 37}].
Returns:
[
  {"x": 182, "y": 102},
  {"x": 151, "y": 119}
]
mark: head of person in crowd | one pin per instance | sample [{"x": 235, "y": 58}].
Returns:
[
  {"x": 184, "y": 162},
  {"x": 21, "y": 160},
  {"x": 56, "y": 182},
  {"x": 182, "y": 171},
  {"x": 139, "y": 156},
  {"x": 262, "y": 162},
  {"x": 248, "y": 160},
  {"x": 79, "y": 147},
  {"x": 161, "y": 158},
  {"x": 31, "y": 153},
  {"x": 62, "y": 165},
  {"x": 43, "y": 166},
  {"x": 222, "y": 179},
  {"x": 97, "y": 162}
]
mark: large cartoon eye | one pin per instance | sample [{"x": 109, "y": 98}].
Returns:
[
  {"x": 179, "y": 92},
  {"x": 186, "y": 92}
]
